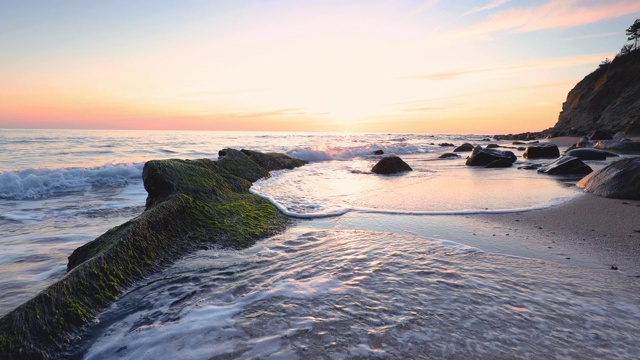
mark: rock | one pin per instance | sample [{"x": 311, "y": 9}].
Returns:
[
  {"x": 483, "y": 157},
  {"x": 390, "y": 165},
  {"x": 590, "y": 154},
  {"x": 566, "y": 165},
  {"x": 378, "y": 152},
  {"x": 632, "y": 147},
  {"x": 446, "y": 144},
  {"x": 619, "y": 136},
  {"x": 448, "y": 156},
  {"x": 600, "y": 135},
  {"x": 521, "y": 148},
  {"x": 542, "y": 151},
  {"x": 620, "y": 180},
  {"x": 464, "y": 147},
  {"x": 191, "y": 203},
  {"x": 239, "y": 164},
  {"x": 529, "y": 166},
  {"x": 500, "y": 163},
  {"x": 274, "y": 161},
  {"x": 633, "y": 129},
  {"x": 492, "y": 146},
  {"x": 517, "y": 143}
]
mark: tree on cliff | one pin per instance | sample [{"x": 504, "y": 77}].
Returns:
[{"x": 634, "y": 33}]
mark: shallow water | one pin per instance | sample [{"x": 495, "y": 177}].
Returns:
[{"x": 363, "y": 294}]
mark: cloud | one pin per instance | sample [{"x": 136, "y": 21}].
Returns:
[
  {"x": 562, "y": 62},
  {"x": 553, "y": 15},
  {"x": 244, "y": 115},
  {"x": 225, "y": 92},
  {"x": 492, "y": 5}
]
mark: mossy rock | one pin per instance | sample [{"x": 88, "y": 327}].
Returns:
[{"x": 190, "y": 204}]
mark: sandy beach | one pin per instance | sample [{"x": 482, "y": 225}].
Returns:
[{"x": 588, "y": 231}]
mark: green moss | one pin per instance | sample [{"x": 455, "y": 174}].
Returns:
[{"x": 190, "y": 203}]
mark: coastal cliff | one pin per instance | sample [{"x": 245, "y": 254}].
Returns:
[
  {"x": 607, "y": 99},
  {"x": 191, "y": 203}
]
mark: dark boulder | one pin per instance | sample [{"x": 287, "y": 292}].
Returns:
[
  {"x": 542, "y": 151},
  {"x": 500, "y": 163},
  {"x": 464, "y": 147},
  {"x": 517, "y": 143},
  {"x": 492, "y": 146},
  {"x": 600, "y": 135},
  {"x": 620, "y": 179},
  {"x": 566, "y": 165},
  {"x": 448, "y": 156},
  {"x": 378, "y": 152},
  {"x": 390, "y": 165},
  {"x": 590, "y": 154},
  {"x": 446, "y": 144},
  {"x": 483, "y": 157},
  {"x": 632, "y": 147},
  {"x": 529, "y": 166}
]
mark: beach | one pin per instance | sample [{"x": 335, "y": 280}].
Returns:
[{"x": 446, "y": 260}]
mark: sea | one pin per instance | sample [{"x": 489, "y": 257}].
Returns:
[{"x": 372, "y": 267}]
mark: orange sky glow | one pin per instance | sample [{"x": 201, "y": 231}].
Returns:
[{"x": 377, "y": 66}]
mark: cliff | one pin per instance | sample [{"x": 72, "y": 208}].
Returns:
[
  {"x": 191, "y": 203},
  {"x": 607, "y": 99}
]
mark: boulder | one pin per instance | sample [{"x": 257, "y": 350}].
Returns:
[
  {"x": 566, "y": 165},
  {"x": 620, "y": 180},
  {"x": 464, "y": 147},
  {"x": 632, "y": 147},
  {"x": 446, "y": 144},
  {"x": 483, "y": 157},
  {"x": 542, "y": 151},
  {"x": 517, "y": 143},
  {"x": 448, "y": 156},
  {"x": 390, "y": 165},
  {"x": 500, "y": 163},
  {"x": 590, "y": 154},
  {"x": 633, "y": 129},
  {"x": 378, "y": 152},
  {"x": 190, "y": 203},
  {"x": 492, "y": 146},
  {"x": 600, "y": 135},
  {"x": 529, "y": 166}
]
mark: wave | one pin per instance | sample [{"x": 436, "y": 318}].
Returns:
[
  {"x": 326, "y": 153},
  {"x": 363, "y": 210},
  {"x": 41, "y": 183}
]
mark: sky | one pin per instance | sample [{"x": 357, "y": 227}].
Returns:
[{"x": 483, "y": 66}]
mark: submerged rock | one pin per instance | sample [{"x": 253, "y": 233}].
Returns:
[
  {"x": 542, "y": 151},
  {"x": 632, "y": 147},
  {"x": 620, "y": 179},
  {"x": 566, "y": 165},
  {"x": 590, "y": 154},
  {"x": 492, "y": 146},
  {"x": 483, "y": 157},
  {"x": 378, "y": 152},
  {"x": 390, "y": 165},
  {"x": 448, "y": 156},
  {"x": 464, "y": 147},
  {"x": 190, "y": 203}
]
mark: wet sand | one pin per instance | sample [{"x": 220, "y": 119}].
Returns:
[{"x": 588, "y": 231}]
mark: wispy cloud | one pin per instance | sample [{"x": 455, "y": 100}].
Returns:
[
  {"x": 562, "y": 62},
  {"x": 224, "y": 92},
  {"x": 553, "y": 15},
  {"x": 492, "y": 5},
  {"x": 594, "y": 36},
  {"x": 291, "y": 111}
]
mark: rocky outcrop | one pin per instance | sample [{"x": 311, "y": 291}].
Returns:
[
  {"x": 620, "y": 179},
  {"x": 464, "y": 148},
  {"x": 566, "y": 165},
  {"x": 448, "y": 156},
  {"x": 483, "y": 157},
  {"x": 500, "y": 163},
  {"x": 590, "y": 154},
  {"x": 390, "y": 165},
  {"x": 190, "y": 203},
  {"x": 607, "y": 99},
  {"x": 542, "y": 151}
]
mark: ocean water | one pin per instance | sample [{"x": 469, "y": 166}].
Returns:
[{"x": 367, "y": 290}]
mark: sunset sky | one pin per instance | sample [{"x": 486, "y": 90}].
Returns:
[{"x": 485, "y": 66}]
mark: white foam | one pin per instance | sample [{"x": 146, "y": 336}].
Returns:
[
  {"x": 326, "y": 153},
  {"x": 39, "y": 183}
]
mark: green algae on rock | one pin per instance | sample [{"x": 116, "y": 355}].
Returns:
[{"x": 190, "y": 203}]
